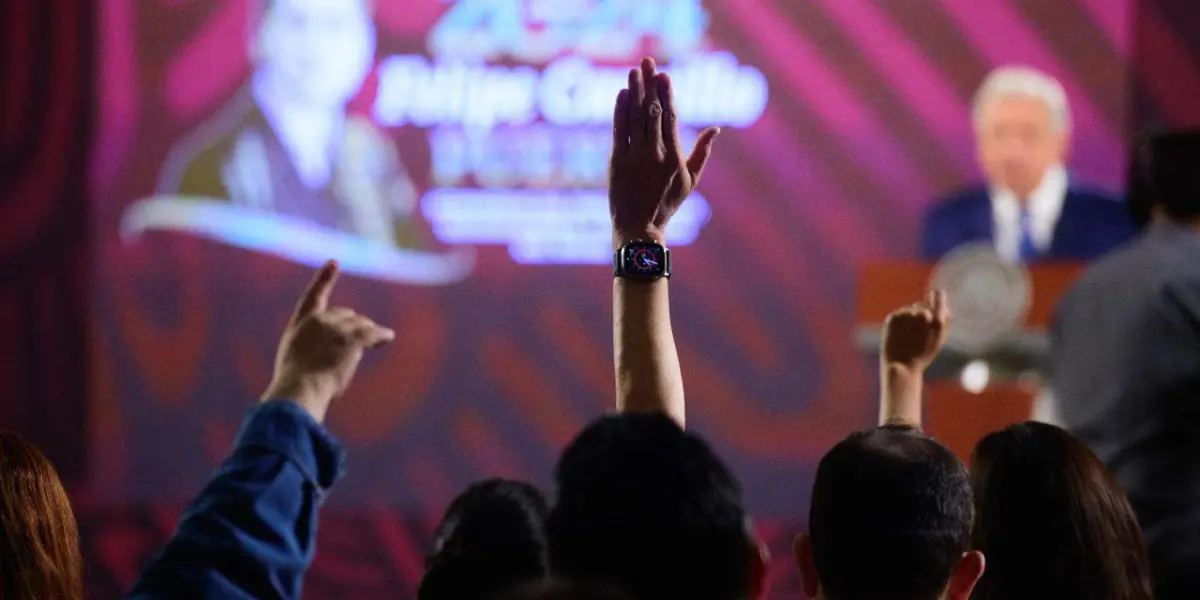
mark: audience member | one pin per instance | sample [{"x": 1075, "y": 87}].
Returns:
[
  {"x": 39, "y": 542},
  {"x": 1126, "y": 361},
  {"x": 1052, "y": 521},
  {"x": 890, "y": 518},
  {"x": 491, "y": 539},
  {"x": 252, "y": 531},
  {"x": 648, "y": 507},
  {"x": 642, "y": 504}
]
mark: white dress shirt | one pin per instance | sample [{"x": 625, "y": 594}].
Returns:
[{"x": 1045, "y": 208}]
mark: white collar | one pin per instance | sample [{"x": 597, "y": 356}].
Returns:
[
  {"x": 1046, "y": 201},
  {"x": 1045, "y": 208}
]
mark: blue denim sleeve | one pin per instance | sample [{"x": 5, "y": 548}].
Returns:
[{"x": 251, "y": 532}]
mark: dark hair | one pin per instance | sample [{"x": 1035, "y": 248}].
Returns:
[
  {"x": 1052, "y": 521},
  {"x": 39, "y": 539},
  {"x": 896, "y": 499},
  {"x": 491, "y": 539},
  {"x": 647, "y": 506},
  {"x": 1166, "y": 168},
  {"x": 561, "y": 590},
  {"x": 1139, "y": 195}
]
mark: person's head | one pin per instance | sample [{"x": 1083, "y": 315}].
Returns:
[
  {"x": 646, "y": 506},
  {"x": 39, "y": 540},
  {"x": 491, "y": 538},
  {"x": 1053, "y": 521},
  {"x": 890, "y": 518},
  {"x": 317, "y": 52},
  {"x": 1022, "y": 128},
  {"x": 1164, "y": 174}
]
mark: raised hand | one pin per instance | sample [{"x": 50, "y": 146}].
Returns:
[
  {"x": 913, "y": 336},
  {"x": 649, "y": 176},
  {"x": 321, "y": 348}
]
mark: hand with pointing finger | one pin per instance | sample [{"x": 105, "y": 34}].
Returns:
[
  {"x": 913, "y": 336},
  {"x": 650, "y": 176},
  {"x": 321, "y": 348}
]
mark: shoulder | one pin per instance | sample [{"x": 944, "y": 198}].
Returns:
[
  {"x": 958, "y": 205},
  {"x": 198, "y": 155},
  {"x": 1096, "y": 201}
]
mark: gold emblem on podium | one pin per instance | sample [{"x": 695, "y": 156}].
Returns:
[{"x": 988, "y": 296}]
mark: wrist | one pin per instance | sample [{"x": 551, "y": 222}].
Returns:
[
  {"x": 622, "y": 236},
  {"x": 313, "y": 393}
]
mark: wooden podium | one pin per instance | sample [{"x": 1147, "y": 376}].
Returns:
[{"x": 954, "y": 415}]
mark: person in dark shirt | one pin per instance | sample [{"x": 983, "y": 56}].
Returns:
[
  {"x": 251, "y": 532},
  {"x": 1126, "y": 360}
]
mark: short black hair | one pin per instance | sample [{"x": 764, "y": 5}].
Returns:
[
  {"x": 896, "y": 499},
  {"x": 646, "y": 506},
  {"x": 491, "y": 539},
  {"x": 1165, "y": 170}
]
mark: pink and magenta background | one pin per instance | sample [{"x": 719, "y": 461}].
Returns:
[{"x": 132, "y": 364}]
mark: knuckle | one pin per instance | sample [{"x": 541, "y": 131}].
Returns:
[{"x": 655, "y": 109}]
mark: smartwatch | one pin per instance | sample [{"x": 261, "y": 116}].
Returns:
[{"x": 642, "y": 260}]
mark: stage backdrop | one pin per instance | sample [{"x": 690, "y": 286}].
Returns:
[{"x": 452, "y": 155}]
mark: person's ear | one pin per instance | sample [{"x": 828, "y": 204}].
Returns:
[
  {"x": 966, "y": 574},
  {"x": 760, "y": 569},
  {"x": 802, "y": 546}
]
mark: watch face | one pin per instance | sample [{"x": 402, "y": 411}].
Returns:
[{"x": 645, "y": 260}]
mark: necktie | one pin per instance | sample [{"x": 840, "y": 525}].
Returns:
[{"x": 1028, "y": 249}]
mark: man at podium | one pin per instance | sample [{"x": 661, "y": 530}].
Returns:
[{"x": 1030, "y": 208}]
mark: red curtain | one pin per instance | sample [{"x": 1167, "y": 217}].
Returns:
[{"x": 46, "y": 106}]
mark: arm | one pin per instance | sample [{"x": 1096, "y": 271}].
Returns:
[
  {"x": 912, "y": 338},
  {"x": 251, "y": 531},
  {"x": 647, "y": 364},
  {"x": 649, "y": 179}
]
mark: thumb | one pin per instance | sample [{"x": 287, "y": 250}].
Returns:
[{"x": 701, "y": 152}]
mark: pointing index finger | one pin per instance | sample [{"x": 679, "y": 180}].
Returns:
[{"x": 316, "y": 297}]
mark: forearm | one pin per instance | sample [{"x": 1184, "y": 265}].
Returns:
[
  {"x": 251, "y": 532},
  {"x": 900, "y": 395},
  {"x": 647, "y": 362}
]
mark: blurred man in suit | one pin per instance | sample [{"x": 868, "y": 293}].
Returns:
[
  {"x": 1029, "y": 209},
  {"x": 286, "y": 144},
  {"x": 1126, "y": 360}
]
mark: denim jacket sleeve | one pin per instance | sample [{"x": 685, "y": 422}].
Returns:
[{"x": 252, "y": 530}]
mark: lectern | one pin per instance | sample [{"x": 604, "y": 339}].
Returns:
[{"x": 1006, "y": 368}]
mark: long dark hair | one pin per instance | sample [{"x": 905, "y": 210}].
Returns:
[
  {"x": 39, "y": 539},
  {"x": 1052, "y": 521}
]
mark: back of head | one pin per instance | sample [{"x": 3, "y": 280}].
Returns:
[
  {"x": 1167, "y": 164},
  {"x": 39, "y": 540},
  {"x": 491, "y": 539},
  {"x": 891, "y": 516},
  {"x": 1052, "y": 521},
  {"x": 646, "y": 506}
]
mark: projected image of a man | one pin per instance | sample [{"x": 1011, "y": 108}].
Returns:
[{"x": 286, "y": 143}]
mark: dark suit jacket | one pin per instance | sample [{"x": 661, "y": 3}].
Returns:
[
  {"x": 1091, "y": 224},
  {"x": 1126, "y": 374}
]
